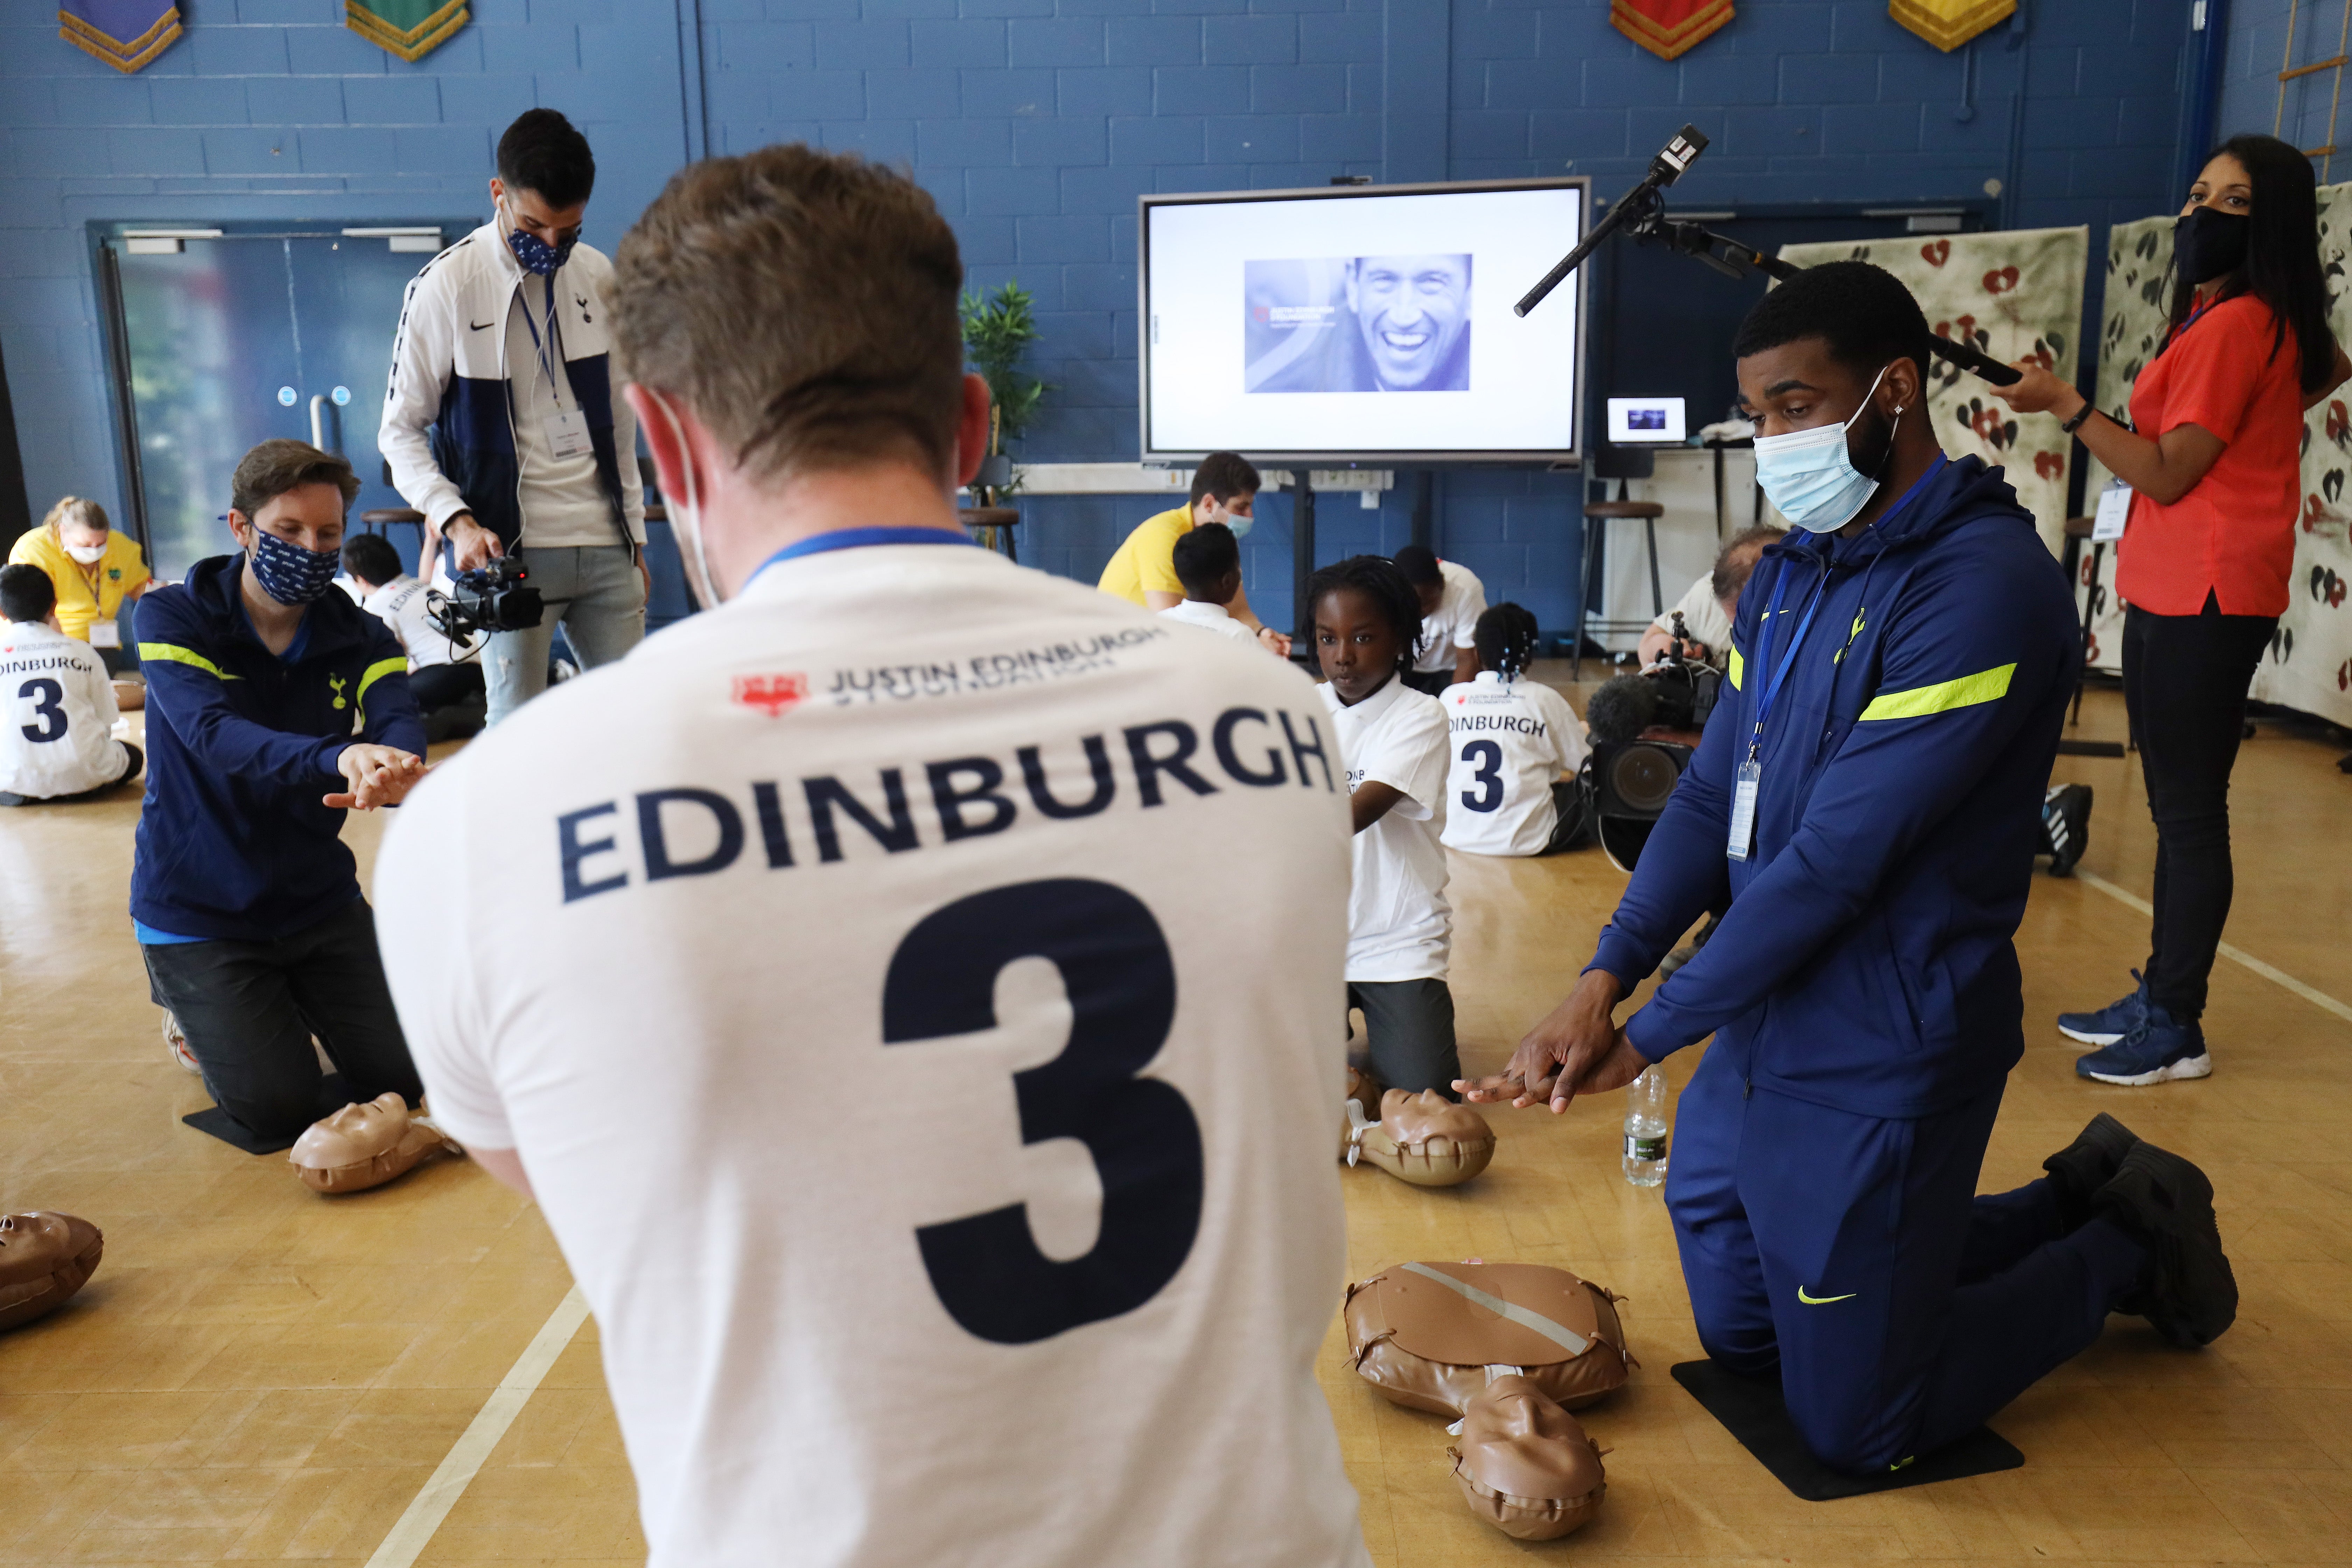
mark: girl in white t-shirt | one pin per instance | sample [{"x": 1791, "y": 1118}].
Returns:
[
  {"x": 1511, "y": 741},
  {"x": 1400, "y": 928}
]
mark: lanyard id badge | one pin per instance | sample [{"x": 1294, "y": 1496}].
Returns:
[
  {"x": 105, "y": 633},
  {"x": 1747, "y": 782},
  {"x": 2115, "y": 511},
  {"x": 1745, "y": 785},
  {"x": 567, "y": 435}
]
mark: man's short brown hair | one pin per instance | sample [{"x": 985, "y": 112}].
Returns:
[
  {"x": 284, "y": 464},
  {"x": 1224, "y": 475},
  {"x": 1736, "y": 561},
  {"x": 803, "y": 304}
]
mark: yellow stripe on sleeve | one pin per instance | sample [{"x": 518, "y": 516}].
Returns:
[
  {"x": 374, "y": 673},
  {"x": 1986, "y": 686},
  {"x": 172, "y": 653},
  {"x": 1738, "y": 666}
]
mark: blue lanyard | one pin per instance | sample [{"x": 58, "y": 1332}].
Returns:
[
  {"x": 856, "y": 538},
  {"x": 554, "y": 387},
  {"x": 1772, "y": 687}
]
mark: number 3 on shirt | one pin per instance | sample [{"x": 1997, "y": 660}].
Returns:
[
  {"x": 48, "y": 707},
  {"x": 1146, "y": 1144},
  {"x": 1488, "y": 756}
]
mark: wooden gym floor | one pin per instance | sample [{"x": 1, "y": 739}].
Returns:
[{"x": 258, "y": 1374}]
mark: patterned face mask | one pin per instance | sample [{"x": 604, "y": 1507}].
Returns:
[
  {"x": 289, "y": 573},
  {"x": 536, "y": 255}
]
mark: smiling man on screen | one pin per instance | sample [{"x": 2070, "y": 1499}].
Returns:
[{"x": 950, "y": 1181}]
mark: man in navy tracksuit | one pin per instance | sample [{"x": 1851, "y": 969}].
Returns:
[
  {"x": 1868, "y": 797},
  {"x": 274, "y": 703}
]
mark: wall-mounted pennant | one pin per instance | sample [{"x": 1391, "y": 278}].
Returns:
[
  {"x": 1949, "y": 24},
  {"x": 125, "y": 34},
  {"x": 1668, "y": 27},
  {"x": 409, "y": 28}
]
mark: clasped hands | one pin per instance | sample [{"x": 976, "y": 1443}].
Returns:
[
  {"x": 1578, "y": 1049},
  {"x": 378, "y": 775}
]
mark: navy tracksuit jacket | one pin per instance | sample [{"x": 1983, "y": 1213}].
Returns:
[
  {"x": 233, "y": 841},
  {"x": 1863, "y": 989}
]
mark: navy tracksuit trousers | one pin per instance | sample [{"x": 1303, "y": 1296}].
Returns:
[{"x": 1852, "y": 1253}]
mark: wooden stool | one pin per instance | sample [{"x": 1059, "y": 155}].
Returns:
[
  {"x": 989, "y": 525},
  {"x": 1649, "y": 512}
]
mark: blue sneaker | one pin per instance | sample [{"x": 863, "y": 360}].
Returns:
[
  {"x": 2110, "y": 1023},
  {"x": 2154, "y": 1052}
]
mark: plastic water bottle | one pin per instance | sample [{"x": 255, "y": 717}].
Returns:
[{"x": 1648, "y": 1102}]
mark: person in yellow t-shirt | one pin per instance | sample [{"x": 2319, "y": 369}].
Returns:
[
  {"x": 94, "y": 569},
  {"x": 1143, "y": 571}
]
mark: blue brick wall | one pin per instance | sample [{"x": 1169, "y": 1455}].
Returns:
[
  {"x": 2304, "y": 110},
  {"x": 1035, "y": 124}
]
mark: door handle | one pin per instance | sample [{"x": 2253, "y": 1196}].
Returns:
[{"x": 320, "y": 418}]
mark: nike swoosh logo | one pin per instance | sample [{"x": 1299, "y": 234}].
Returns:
[
  {"x": 1810, "y": 1299},
  {"x": 481, "y": 326}
]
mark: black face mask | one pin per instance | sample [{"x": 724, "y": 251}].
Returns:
[{"x": 2207, "y": 243}]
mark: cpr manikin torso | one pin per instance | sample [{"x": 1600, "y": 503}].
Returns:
[
  {"x": 44, "y": 1259},
  {"x": 1524, "y": 1465},
  {"x": 1424, "y": 1139},
  {"x": 365, "y": 1146}
]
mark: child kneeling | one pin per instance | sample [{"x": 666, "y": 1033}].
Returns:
[{"x": 1400, "y": 928}]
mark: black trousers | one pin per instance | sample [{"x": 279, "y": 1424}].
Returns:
[
  {"x": 1408, "y": 1033},
  {"x": 130, "y": 766},
  {"x": 1433, "y": 681},
  {"x": 2185, "y": 679},
  {"x": 249, "y": 1009}
]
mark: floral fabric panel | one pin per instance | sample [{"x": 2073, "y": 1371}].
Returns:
[
  {"x": 2016, "y": 294},
  {"x": 2139, "y": 266}
]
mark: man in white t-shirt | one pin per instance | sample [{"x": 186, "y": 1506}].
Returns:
[
  {"x": 946, "y": 1161},
  {"x": 1400, "y": 927},
  {"x": 1208, "y": 562},
  {"x": 1451, "y": 600},
  {"x": 445, "y": 673},
  {"x": 57, "y": 705},
  {"x": 1516, "y": 749},
  {"x": 1710, "y": 605}
]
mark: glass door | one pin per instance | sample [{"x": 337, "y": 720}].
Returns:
[{"x": 225, "y": 338}]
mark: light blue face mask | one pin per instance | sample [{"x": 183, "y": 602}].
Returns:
[
  {"x": 1809, "y": 475},
  {"x": 1241, "y": 522}
]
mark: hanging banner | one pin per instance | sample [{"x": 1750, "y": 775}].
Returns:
[
  {"x": 125, "y": 34},
  {"x": 2135, "y": 316},
  {"x": 1949, "y": 24},
  {"x": 1668, "y": 27},
  {"x": 2015, "y": 294},
  {"x": 409, "y": 28}
]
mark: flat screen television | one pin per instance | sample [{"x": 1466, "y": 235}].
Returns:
[
  {"x": 1365, "y": 324},
  {"x": 1646, "y": 421}
]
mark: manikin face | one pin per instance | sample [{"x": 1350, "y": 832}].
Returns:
[
  {"x": 1411, "y": 310},
  {"x": 1358, "y": 647},
  {"x": 1416, "y": 1118},
  {"x": 356, "y": 1132},
  {"x": 1518, "y": 1441}
]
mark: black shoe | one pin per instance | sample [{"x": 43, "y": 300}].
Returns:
[
  {"x": 2191, "y": 1297},
  {"x": 2066, "y": 827},
  {"x": 2079, "y": 1170}
]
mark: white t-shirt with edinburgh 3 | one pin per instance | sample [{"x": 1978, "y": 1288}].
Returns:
[
  {"x": 1510, "y": 741},
  {"x": 57, "y": 714},
  {"x": 1400, "y": 926},
  {"x": 948, "y": 1168}
]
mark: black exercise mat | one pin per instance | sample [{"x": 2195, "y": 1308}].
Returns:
[
  {"x": 1752, "y": 1410},
  {"x": 333, "y": 1095}
]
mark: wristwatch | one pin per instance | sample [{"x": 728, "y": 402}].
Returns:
[{"x": 2088, "y": 409}]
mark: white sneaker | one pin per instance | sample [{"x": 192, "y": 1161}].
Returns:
[{"x": 175, "y": 1040}]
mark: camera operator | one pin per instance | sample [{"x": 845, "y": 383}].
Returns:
[
  {"x": 501, "y": 425},
  {"x": 1867, "y": 795},
  {"x": 1710, "y": 604},
  {"x": 266, "y": 689},
  {"x": 444, "y": 671}
]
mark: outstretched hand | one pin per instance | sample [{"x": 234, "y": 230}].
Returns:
[
  {"x": 1578, "y": 1049},
  {"x": 379, "y": 776}
]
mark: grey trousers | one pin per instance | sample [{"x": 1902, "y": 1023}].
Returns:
[
  {"x": 596, "y": 592},
  {"x": 1409, "y": 1031}
]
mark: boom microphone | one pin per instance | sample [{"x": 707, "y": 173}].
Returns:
[{"x": 1665, "y": 169}]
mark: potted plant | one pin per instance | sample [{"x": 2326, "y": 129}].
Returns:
[{"x": 998, "y": 328}]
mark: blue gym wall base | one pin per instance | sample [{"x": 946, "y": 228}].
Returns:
[{"x": 1035, "y": 124}]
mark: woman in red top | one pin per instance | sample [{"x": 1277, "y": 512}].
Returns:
[{"x": 2213, "y": 458}]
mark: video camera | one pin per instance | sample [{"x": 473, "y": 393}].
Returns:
[
  {"x": 1644, "y": 730},
  {"x": 492, "y": 598}
]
